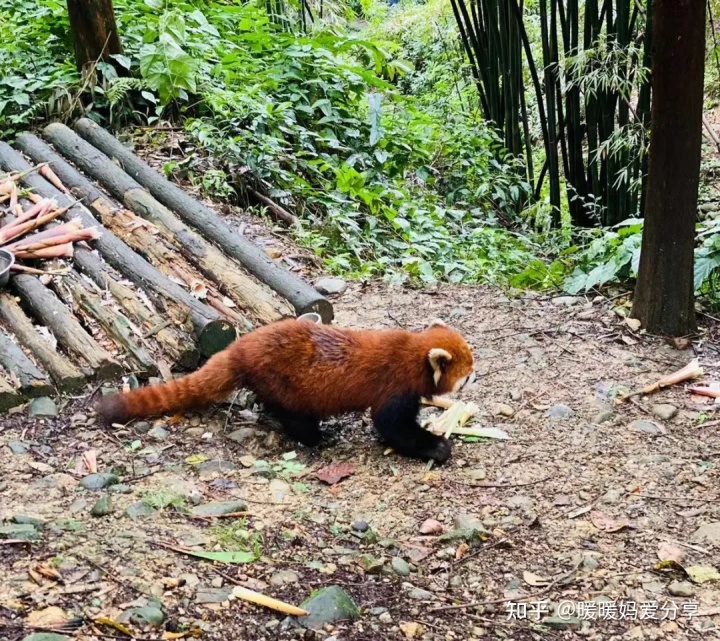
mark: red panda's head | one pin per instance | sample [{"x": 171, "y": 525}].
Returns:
[{"x": 450, "y": 358}]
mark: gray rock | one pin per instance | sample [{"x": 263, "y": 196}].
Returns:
[
  {"x": 98, "y": 481},
  {"x": 360, "y": 526},
  {"x": 139, "y": 510},
  {"x": 243, "y": 434},
  {"x": 219, "y": 508},
  {"x": 279, "y": 489},
  {"x": 158, "y": 433},
  {"x": 42, "y": 406},
  {"x": 18, "y": 447},
  {"x": 371, "y": 564},
  {"x": 208, "y": 467},
  {"x": 559, "y": 411},
  {"x": 710, "y": 533},
  {"x": 466, "y": 522},
  {"x": 148, "y": 616},
  {"x": 681, "y": 588},
  {"x": 558, "y": 622},
  {"x": 102, "y": 507},
  {"x": 328, "y": 606},
  {"x": 120, "y": 489},
  {"x": 212, "y": 595},
  {"x": 385, "y": 617},
  {"x": 603, "y": 417},
  {"x": 20, "y": 531},
  {"x": 418, "y": 594},
  {"x": 21, "y": 519},
  {"x": 478, "y": 474},
  {"x": 400, "y": 566},
  {"x": 330, "y": 286},
  {"x": 646, "y": 427},
  {"x": 567, "y": 301},
  {"x": 45, "y": 636},
  {"x": 284, "y": 577},
  {"x": 664, "y": 411},
  {"x": 143, "y": 427},
  {"x": 503, "y": 409}
]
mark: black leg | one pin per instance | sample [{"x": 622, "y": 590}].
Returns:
[
  {"x": 396, "y": 421},
  {"x": 299, "y": 427}
]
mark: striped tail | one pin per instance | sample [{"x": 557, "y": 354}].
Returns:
[{"x": 212, "y": 382}]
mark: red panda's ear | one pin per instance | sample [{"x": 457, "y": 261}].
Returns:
[
  {"x": 436, "y": 323},
  {"x": 438, "y": 358}
]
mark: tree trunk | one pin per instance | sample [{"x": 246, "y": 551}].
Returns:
[
  {"x": 664, "y": 300},
  {"x": 94, "y": 31}
]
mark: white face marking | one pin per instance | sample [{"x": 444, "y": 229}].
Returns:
[{"x": 461, "y": 382}]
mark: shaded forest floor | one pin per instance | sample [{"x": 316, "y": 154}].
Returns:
[{"x": 584, "y": 496}]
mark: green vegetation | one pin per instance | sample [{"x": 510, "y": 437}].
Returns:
[{"x": 371, "y": 131}]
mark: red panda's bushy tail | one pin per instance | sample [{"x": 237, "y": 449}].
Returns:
[{"x": 212, "y": 382}]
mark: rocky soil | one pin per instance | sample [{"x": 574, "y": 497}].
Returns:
[{"x": 594, "y": 520}]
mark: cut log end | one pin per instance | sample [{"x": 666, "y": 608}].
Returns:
[
  {"x": 215, "y": 337},
  {"x": 319, "y": 306}
]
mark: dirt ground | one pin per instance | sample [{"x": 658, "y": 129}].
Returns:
[{"x": 580, "y": 504}]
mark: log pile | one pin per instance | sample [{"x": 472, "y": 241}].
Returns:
[{"x": 165, "y": 284}]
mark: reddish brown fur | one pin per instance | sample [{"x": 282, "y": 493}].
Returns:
[{"x": 310, "y": 369}]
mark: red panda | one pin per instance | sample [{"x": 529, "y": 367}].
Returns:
[{"x": 303, "y": 372}]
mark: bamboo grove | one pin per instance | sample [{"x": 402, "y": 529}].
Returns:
[{"x": 588, "y": 84}]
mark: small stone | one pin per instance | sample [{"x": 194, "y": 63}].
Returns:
[
  {"x": 45, "y": 636},
  {"x": 284, "y": 577},
  {"x": 42, "y": 406},
  {"x": 385, "y": 617},
  {"x": 148, "y": 616},
  {"x": 710, "y": 533},
  {"x": 664, "y": 411},
  {"x": 646, "y": 427},
  {"x": 142, "y": 427},
  {"x": 681, "y": 588},
  {"x": 279, "y": 489},
  {"x": 567, "y": 301},
  {"x": 158, "y": 433},
  {"x": 371, "y": 564},
  {"x": 400, "y": 566},
  {"x": 209, "y": 467},
  {"x": 102, "y": 507},
  {"x": 20, "y": 531},
  {"x": 559, "y": 411},
  {"x": 412, "y": 630},
  {"x": 431, "y": 526},
  {"x": 139, "y": 510},
  {"x": 18, "y": 447},
  {"x": 501, "y": 409},
  {"x": 219, "y": 508},
  {"x": 360, "y": 526},
  {"x": 466, "y": 522},
  {"x": 330, "y": 286},
  {"x": 243, "y": 434},
  {"x": 21, "y": 519},
  {"x": 98, "y": 481},
  {"x": 603, "y": 417},
  {"x": 327, "y": 606},
  {"x": 418, "y": 594},
  {"x": 120, "y": 488},
  {"x": 212, "y": 595},
  {"x": 558, "y": 622}
]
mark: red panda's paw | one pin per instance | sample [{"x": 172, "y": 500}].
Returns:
[{"x": 439, "y": 450}]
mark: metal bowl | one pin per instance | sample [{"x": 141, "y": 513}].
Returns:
[{"x": 7, "y": 260}]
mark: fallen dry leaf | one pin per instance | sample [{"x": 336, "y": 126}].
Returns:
[
  {"x": 607, "y": 523},
  {"x": 335, "y": 473},
  {"x": 411, "y": 630},
  {"x": 669, "y": 552},
  {"x": 431, "y": 526},
  {"x": 461, "y": 551},
  {"x": 47, "y": 618},
  {"x": 633, "y": 324},
  {"x": 48, "y": 571},
  {"x": 702, "y": 573},
  {"x": 535, "y": 580}
]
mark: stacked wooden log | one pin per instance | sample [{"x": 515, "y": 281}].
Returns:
[{"x": 166, "y": 284}]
